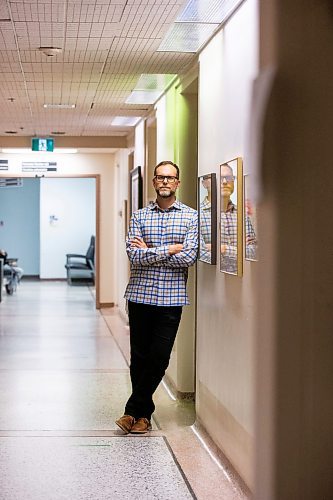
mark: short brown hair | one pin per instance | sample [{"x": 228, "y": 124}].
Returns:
[{"x": 167, "y": 162}]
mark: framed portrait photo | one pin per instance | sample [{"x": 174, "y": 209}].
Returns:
[
  {"x": 231, "y": 217},
  {"x": 135, "y": 190},
  {"x": 207, "y": 209}
]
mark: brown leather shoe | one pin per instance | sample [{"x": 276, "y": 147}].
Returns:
[
  {"x": 141, "y": 426},
  {"x": 125, "y": 423}
]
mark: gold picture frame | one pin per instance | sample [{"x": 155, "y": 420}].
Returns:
[{"x": 231, "y": 217}]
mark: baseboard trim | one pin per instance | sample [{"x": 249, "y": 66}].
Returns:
[
  {"x": 188, "y": 396},
  {"x": 225, "y": 463},
  {"x": 103, "y": 305}
]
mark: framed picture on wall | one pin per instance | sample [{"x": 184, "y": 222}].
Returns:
[
  {"x": 231, "y": 217},
  {"x": 207, "y": 209},
  {"x": 135, "y": 189},
  {"x": 250, "y": 222}
]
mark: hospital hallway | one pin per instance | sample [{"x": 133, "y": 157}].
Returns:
[{"x": 64, "y": 380}]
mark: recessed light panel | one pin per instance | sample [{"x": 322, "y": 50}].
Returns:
[
  {"x": 59, "y": 106},
  {"x": 186, "y": 37},
  {"x": 125, "y": 121},
  {"x": 154, "y": 81},
  {"x": 208, "y": 11},
  {"x": 143, "y": 96}
]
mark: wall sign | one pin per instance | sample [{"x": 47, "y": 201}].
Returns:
[{"x": 39, "y": 166}]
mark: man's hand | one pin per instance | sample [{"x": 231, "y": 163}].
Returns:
[
  {"x": 173, "y": 249},
  {"x": 138, "y": 242}
]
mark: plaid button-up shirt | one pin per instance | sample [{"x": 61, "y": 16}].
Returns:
[
  {"x": 229, "y": 238},
  {"x": 158, "y": 278},
  {"x": 205, "y": 208}
]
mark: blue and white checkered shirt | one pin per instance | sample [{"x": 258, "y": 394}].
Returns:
[
  {"x": 205, "y": 208},
  {"x": 158, "y": 278},
  {"x": 229, "y": 238}
]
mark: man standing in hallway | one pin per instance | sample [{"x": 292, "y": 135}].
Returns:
[{"x": 161, "y": 244}]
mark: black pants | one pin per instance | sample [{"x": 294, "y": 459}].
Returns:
[{"x": 153, "y": 331}]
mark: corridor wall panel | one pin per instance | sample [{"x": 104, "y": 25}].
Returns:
[{"x": 225, "y": 303}]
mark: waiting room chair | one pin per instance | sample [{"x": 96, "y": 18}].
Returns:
[
  {"x": 12, "y": 274},
  {"x": 81, "y": 268}
]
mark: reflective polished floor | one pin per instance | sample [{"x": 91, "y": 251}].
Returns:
[{"x": 64, "y": 379}]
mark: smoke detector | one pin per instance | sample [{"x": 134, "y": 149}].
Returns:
[{"x": 50, "y": 51}]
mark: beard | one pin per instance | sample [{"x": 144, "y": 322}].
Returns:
[{"x": 165, "y": 192}]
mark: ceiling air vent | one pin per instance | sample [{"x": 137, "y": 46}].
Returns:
[
  {"x": 10, "y": 131},
  {"x": 50, "y": 51}
]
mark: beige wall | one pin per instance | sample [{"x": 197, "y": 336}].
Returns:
[
  {"x": 122, "y": 194},
  {"x": 225, "y": 304},
  {"x": 83, "y": 164},
  {"x": 122, "y": 200}
]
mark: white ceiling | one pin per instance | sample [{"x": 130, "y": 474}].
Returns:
[{"x": 107, "y": 45}]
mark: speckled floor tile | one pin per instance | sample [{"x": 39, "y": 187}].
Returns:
[
  {"x": 48, "y": 400},
  {"x": 59, "y": 353},
  {"x": 52, "y": 325},
  {"x": 89, "y": 468},
  {"x": 63, "y": 382}
]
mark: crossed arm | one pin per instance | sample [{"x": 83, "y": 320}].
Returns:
[
  {"x": 171, "y": 255},
  {"x": 138, "y": 242}
]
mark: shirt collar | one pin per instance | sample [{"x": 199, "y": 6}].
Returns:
[
  {"x": 231, "y": 207},
  {"x": 206, "y": 204},
  {"x": 153, "y": 205}
]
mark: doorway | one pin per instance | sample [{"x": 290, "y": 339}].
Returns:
[{"x": 46, "y": 217}]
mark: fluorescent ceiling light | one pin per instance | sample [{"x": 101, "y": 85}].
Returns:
[
  {"x": 39, "y": 153},
  {"x": 196, "y": 24},
  {"x": 125, "y": 121},
  {"x": 154, "y": 81},
  {"x": 66, "y": 151},
  {"x": 17, "y": 150},
  {"x": 186, "y": 37},
  {"x": 149, "y": 88},
  {"x": 59, "y": 106},
  {"x": 208, "y": 11},
  {"x": 143, "y": 96}
]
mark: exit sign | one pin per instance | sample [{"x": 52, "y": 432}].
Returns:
[{"x": 38, "y": 144}]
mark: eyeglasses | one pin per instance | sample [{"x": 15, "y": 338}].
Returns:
[
  {"x": 228, "y": 178},
  {"x": 171, "y": 179}
]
